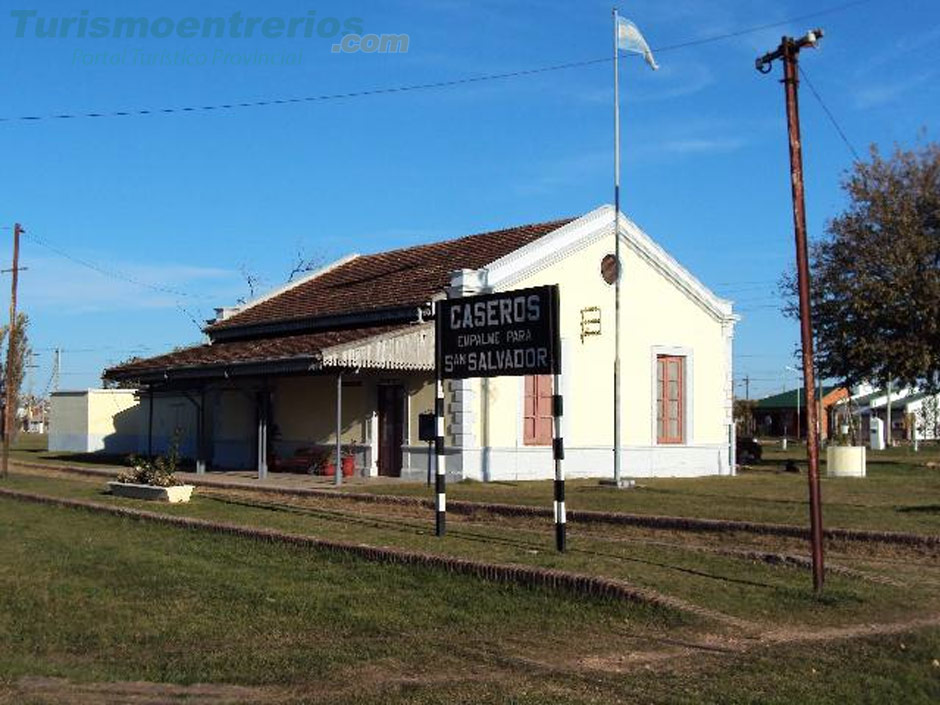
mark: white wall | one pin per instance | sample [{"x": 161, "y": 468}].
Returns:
[
  {"x": 657, "y": 317},
  {"x": 93, "y": 420}
]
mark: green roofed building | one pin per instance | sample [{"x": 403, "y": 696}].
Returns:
[{"x": 784, "y": 414}]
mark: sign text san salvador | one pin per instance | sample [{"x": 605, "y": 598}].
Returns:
[{"x": 510, "y": 333}]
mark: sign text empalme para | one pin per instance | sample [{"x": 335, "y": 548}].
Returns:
[{"x": 509, "y": 333}]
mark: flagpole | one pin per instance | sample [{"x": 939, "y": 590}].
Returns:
[{"x": 617, "y": 251}]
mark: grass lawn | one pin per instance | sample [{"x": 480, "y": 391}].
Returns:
[
  {"x": 745, "y": 589},
  {"x": 901, "y": 493},
  {"x": 110, "y": 602}
]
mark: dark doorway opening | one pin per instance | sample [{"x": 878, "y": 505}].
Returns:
[{"x": 391, "y": 429}]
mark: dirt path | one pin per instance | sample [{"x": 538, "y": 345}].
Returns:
[
  {"x": 678, "y": 654},
  {"x": 60, "y": 690},
  {"x": 724, "y": 645}
]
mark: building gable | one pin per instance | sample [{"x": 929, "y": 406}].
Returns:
[{"x": 564, "y": 242}]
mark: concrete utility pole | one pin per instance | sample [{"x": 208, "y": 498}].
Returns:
[
  {"x": 888, "y": 424},
  {"x": 788, "y": 52},
  {"x": 56, "y": 369},
  {"x": 9, "y": 397}
]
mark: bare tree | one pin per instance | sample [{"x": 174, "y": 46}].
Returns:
[
  {"x": 301, "y": 264},
  {"x": 304, "y": 264},
  {"x": 252, "y": 280}
]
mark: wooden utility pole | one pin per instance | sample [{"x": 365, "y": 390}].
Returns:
[
  {"x": 9, "y": 394},
  {"x": 788, "y": 52}
]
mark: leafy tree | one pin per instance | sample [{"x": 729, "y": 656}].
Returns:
[
  {"x": 927, "y": 418},
  {"x": 876, "y": 275},
  {"x": 14, "y": 368},
  {"x": 743, "y": 411}
]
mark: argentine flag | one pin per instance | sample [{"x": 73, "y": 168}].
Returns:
[{"x": 630, "y": 39}]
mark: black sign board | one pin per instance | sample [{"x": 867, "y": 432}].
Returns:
[
  {"x": 511, "y": 333},
  {"x": 427, "y": 427}
]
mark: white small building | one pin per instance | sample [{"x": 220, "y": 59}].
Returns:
[
  {"x": 266, "y": 386},
  {"x": 95, "y": 420}
]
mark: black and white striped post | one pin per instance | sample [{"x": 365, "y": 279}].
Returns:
[
  {"x": 440, "y": 476},
  {"x": 440, "y": 480},
  {"x": 558, "y": 452}
]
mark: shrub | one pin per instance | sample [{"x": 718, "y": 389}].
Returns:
[{"x": 159, "y": 471}]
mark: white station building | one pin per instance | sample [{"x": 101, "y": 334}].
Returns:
[{"x": 265, "y": 388}]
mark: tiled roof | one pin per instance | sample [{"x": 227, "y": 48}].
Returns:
[
  {"x": 399, "y": 278},
  {"x": 261, "y": 351}
]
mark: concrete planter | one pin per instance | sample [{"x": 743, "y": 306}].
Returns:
[
  {"x": 173, "y": 495},
  {"x": 845, "y": 461}
]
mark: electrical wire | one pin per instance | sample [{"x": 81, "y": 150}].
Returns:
[
  {"x": 137, "y": 112},
  {"x": 832, "y": 118},
  {"x": 113, "y": 274},
  {"x": 121, "y": 276}
]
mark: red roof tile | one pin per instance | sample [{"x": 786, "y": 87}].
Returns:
[
  {"x": 399, "y": 278},
  {"x": 264, "y": 350}
]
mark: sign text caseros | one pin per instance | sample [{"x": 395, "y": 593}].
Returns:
[{"x": 494, "y": 335}]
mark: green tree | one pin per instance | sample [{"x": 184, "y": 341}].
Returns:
[
  {"x": 14, "y": 369},
  {"x": 876, "y": 274},
  {"x": 743, "y": 411}
]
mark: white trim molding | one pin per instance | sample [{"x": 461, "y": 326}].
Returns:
[
  {"x": 549, "y": 249},
  {"x": 409, "y": 349}
]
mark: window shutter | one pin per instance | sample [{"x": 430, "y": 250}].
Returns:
[
  {"x": 537, "y": 411},
  {"x": 670, "y": 399}
]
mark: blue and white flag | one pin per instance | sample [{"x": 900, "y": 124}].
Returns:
[{"x": 630, "y": 39}]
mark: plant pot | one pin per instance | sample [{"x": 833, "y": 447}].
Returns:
[
  {"x": 173, "y": 495},
  {"x": 349, "y": 467},
  {"x": 845, "y": 461}
]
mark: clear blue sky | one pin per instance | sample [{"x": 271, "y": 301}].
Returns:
[{"x": 182, "y": 201}]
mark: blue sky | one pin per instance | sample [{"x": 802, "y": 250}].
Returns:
[{"x": 182, "y": 202}]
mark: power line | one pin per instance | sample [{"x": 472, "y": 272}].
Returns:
[
  {"x": 138, "y": 112},
  {"x": 106, "y": 348},
  {"x": 121, "y": 276},
  {"x": 832, "y": 118},
  {"x": 112, "y": 273},
  {"x": 760, "y": 28}
]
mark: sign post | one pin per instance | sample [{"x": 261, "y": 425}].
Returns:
[
  {"x": 440, "y": 477},
  {"x": 512, "y": 333}
]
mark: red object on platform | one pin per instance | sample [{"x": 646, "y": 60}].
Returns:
[{"x": 349, "y": 467}]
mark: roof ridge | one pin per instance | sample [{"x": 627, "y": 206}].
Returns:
[
  {"x": 486, "y": 233},
  {"x": 426, "y": 260}
]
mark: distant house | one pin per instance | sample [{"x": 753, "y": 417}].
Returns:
[
  {"x": 357, "y": 333},
  {"x": 784, "y": 414},
  {"x": 912, "y": 411}
]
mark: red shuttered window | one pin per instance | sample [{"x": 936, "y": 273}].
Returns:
[
  {"x": 537, "y": 411},
  {"x": 670, "y": 399}
]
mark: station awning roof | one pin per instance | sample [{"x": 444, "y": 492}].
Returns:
[{"x": 399, "y": 347}]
